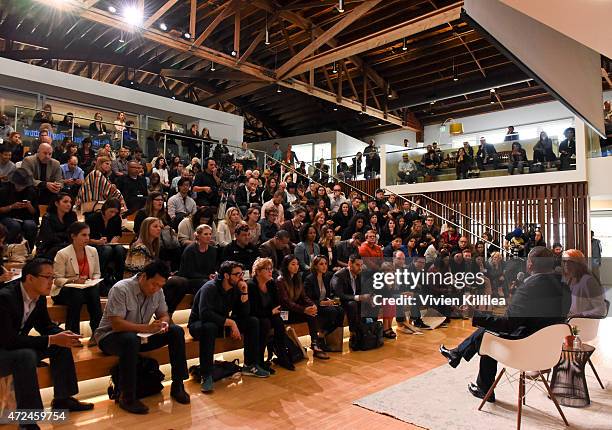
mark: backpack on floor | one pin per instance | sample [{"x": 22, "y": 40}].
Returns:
[
  {"x": 295, "y": 349},
  {"x": 536, "y": 168},
  {"x": 221, "y": 370},
  {"x": 148, "y": 379},
  {"x": 369, "y": 335}
]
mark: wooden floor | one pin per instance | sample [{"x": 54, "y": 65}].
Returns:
[{"x": 318, "y": 395}]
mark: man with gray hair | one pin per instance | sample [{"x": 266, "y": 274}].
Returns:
[
  {"x": 46, "y": 172},
  {"x": 541, "y": 300}
]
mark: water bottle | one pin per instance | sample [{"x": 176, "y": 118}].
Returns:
[{"x": 577, "y": 345}]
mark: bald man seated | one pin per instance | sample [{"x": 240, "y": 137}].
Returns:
[{"x": 45, "y": 171}]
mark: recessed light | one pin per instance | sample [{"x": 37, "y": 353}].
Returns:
[
  {"x": 112, "y": 9},
  {"x": 187, "y": 35},
  {"x": 163, "y": 26}
]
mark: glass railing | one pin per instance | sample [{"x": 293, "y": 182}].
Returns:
[{"x": 32, "y": 123}]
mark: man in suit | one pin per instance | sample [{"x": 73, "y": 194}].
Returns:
[
  {"x": 133, "y": 186},
  {"x": 23, "y": 307},
  {"x": 346, "y": 284},
  {"x": 247, "y": 195},
  {"x": 486, "y": 155},
  {"x": 542, "y": 300},
  {"x": 45, "y": 171}
]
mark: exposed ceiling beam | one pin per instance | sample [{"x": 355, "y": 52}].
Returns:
[
  {"x": 207, "y": 74},
  {"x": 225, "y": 13},
  {"x": 321, "y": 40},
  {"x": 383, "y": 37},
  {"x": 347, "y": 103},
  {"x": 604, "y": 74},
  {"x": 236, "y": 91},
  {"x": 159, "y": 13},
  {"x": 454, "y": 89}
]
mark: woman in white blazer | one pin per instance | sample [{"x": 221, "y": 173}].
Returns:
[{"x": 73, "y": 266}]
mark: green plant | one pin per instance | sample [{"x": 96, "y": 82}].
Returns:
[{"x": 575, "y": 330}]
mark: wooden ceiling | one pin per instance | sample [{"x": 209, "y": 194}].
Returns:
[{"x": 320, "y": 70}]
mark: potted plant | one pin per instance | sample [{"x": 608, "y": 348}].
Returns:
[{"x": 569, "y": 340}]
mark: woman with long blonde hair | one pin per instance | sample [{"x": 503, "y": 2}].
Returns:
[
  {"x": 226, "y": 230},
  {"x": 146, "y": 248}
]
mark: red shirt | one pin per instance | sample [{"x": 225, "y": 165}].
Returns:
[{"x": 367, "y": 250}]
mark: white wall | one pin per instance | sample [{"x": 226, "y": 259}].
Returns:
[
  {"x": 498, "y": 120},
  {"x": 266, "y": 145},
  {"x": 18, "y": 75},
  {"x": 394, "y": 138},
  {"x": 347, "y": 146}
]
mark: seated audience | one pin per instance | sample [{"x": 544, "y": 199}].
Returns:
[
  {"x": 276, "y": 203},
  {"x": 213, "y": 304},
  {"x": 543, "y": 150},
  {"x": 53, "y": 234},
  {"x": 187, "y": 227},
  {"x": 19, "y": 207},
  {"x": 154, "y": 207},
  {"x": 265, "y": 306},
  {"x": 252, "y": 220},
  {"x": 308, "y": 248},
  {"x": 407, "y": 170},
  {"x": 6, "y": 165},
  {"x": 487, "y": 155},
  {"x": 327, "y": 245},
  {"x": 241, "y": 249},
  {"x": 45, "y": 171},
  {"x": 67, "y": 287},
  {"x": 98, "y": 188},
  {"x": 73, "y": 176},
  {"x": 131, "y": 305},
  {"x": 146, "y": 248},
  {"x": 317, "y": 287},
  {"x": 293, "y": 299},
  {"x": 295, "y": 224},
  {"x": 276, "y": 248},
  {"x": 181, "y": 205},
  {"x": 346, "y": 284},
  {"x": 105, "y": 235},
  {"x": 198, "y": 262},
  {"x": 346, "y": 248},
  {"x": 133, "y": 187},
  {"x": 119, "y": 165},
  {"x": 518, "y": 158},
  {"x": 226, "y": 230},
  {"x": 23, "y": 306},
  {"x": 463, "y": 163},
  {"x": 269, "y": 227}
]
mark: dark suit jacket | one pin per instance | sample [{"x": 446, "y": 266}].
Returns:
[
  {"x": 257, "y": 307},
  {"x": 241, "y": 197},
  {"x": 542, "y": 300},
  {"x": 312, "y": 287},
  {"x": 12, "y": 336},
  {"x": 341, "y": 284}
]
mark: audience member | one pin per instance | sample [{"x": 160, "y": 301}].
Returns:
[
  {"x": 54, "y": 234},
  {"x": 45, "y": 171},
  {"x": 146, "y": 248},
  {"x": 19, "y": 212}
]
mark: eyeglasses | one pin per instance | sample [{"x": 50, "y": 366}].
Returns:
[
  {"x": 239, "y": 274},
  {"x": 158, "y": 199},
  {"x": 47, "y": 277}
]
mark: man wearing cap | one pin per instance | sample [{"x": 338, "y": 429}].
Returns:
[
  {"x": 407, "y": 170},
  {"x": 45, "y": 171},
  {"x": 19, "y": 206}
]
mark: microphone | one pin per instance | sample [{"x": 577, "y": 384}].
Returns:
[{"x": 520, "y": 277}]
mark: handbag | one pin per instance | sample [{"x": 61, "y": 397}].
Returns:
[
  {"x": 17, "y": 252},
  {"x": 91, "y": 206},
  {"x": 221, "y": 370},
  {"x": 169, "y": 238},
  {"x": 335, "y": 340},
  {"x": 297, "y": 352}
]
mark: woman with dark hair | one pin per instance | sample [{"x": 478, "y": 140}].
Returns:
[
  {"x": 53, "y": 233},
  {"x": 490, "y": 244},
  {"x": 327, "y": 244},
  {"x": 317, "y": 286},
  {"x": 293, "y": 298},
  {"x": 463, "y": 163},
  {"x": 308, "y": 248},
  {"x": 269, "y": 189},
  {"x": 188, "y": 226},
  {"x": 322, "y": 195},
  {"x": 543, "y": 150},
  {"x": 155, "y": 184},
  {"x": 265, "y": 306},
  {"x": 73, "y": 267},
  {"x": 86, "y": 155},
  {"x": 388, "y": 232},
  {"x": 357, "y": 224},
  {"x": 372, "y": 224},
  {"x": 105, "y": 235},
  {"x": 412, "y": 248},
  {"x": 341, "y": 218},
  {"x": 174, "y": 170},
  {"x": 162, "y": 170},
  {"x": 252, "y": 220},
  {"x": 154, "y": 206}
]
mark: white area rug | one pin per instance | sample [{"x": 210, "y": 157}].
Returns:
[{"x": 439, "y": 400}]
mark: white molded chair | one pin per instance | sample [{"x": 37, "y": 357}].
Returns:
[
  {"x": 536, "y": 353},
  {"x": 588, "y": 329}
]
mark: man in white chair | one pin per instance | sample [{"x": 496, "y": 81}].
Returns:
[{"x": 542, "y": 300}]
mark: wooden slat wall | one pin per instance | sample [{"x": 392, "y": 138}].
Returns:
[
  {"x": 560, "y": 209},
  {"x": 368, "y": 186}
]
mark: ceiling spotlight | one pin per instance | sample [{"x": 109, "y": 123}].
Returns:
[
  {"x": 340, "y": 6},
  {"x": 234, "y": 53},
  {"x": 492, "y": 90},
  {"x": 187, "y": 35},
  {"x": 334, "y": 69},
  {"x": 380, "y": 123},
  {"x": 278, "y": 89},
  {"x": 131, "y": 82},
  {"x": 455, "y": 74},
  {"x": 163, "y": 26},
  {"x": 335, "y": 109},
  {"x": 212, "y": 66},
  {"x": 112, "y": 9},
  {"x": 390, "y": 96},
  {"x": 267, "y": 42},
  {"x": 404, "y": 45},
  {"x": 433, "y": 102},
  {"x": 492, "y": 101},
  {"x": 133, "y": 16},
  {"x": 121, "y": 38}
]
